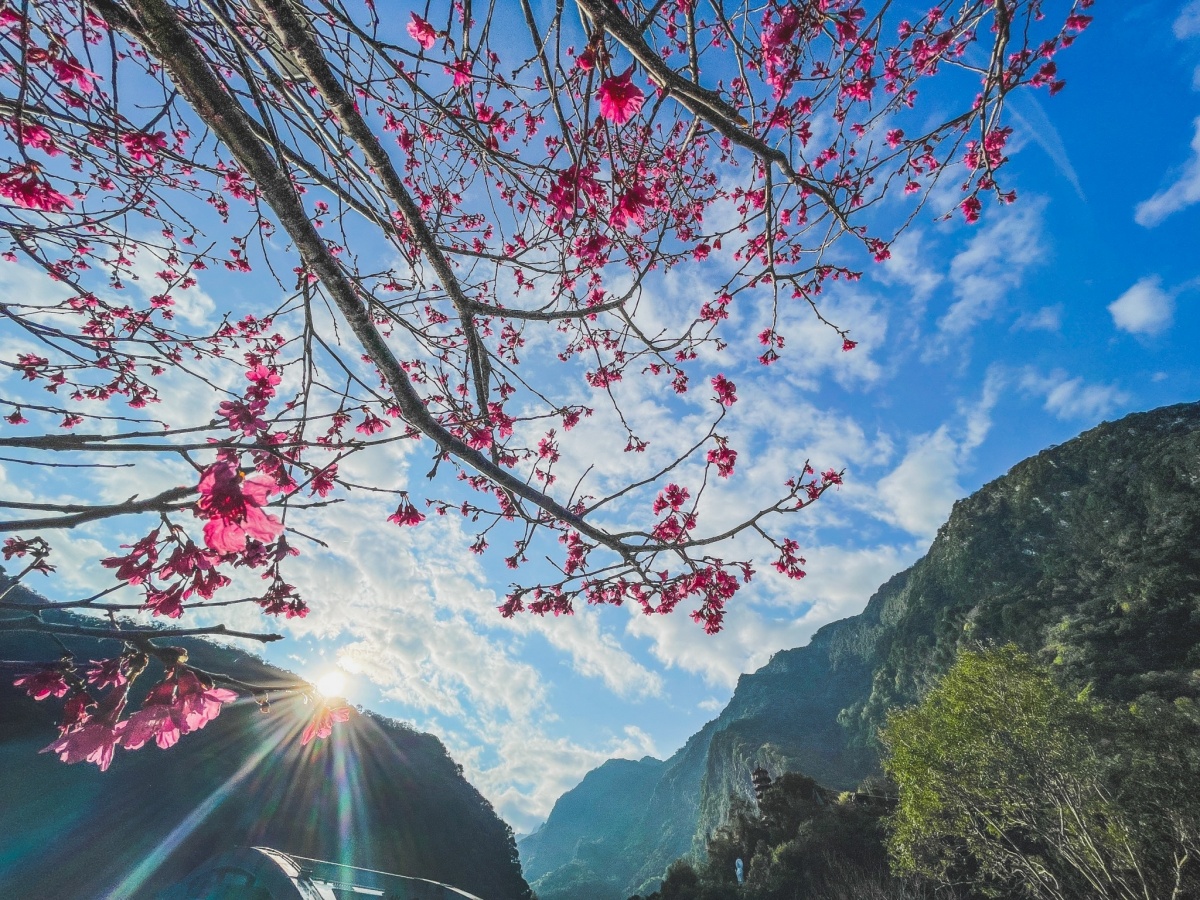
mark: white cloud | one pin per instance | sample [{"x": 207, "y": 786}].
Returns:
[
  {"x": 746, "y": 643},
  {"x": 907, "y": 265},
  {"x": 597, "y": 654},
  {"x": 1187, "y": 25},
  {"x": 1048, "y": 318},
  {"x": 993, "y": 263},
  {"x": 531, "y": 770},
  {"x": 1143, "y": 309},
  {"x": 918, "y": 494},
  {"x": 1073, "y": 398},
  {"x": 813, "y": 351},
  {"x": 1182, "y": 193}
]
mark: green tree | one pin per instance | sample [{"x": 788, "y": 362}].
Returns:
[
  {"x": 681, "y": 882},
  {"x": 1020, "y": 787}
]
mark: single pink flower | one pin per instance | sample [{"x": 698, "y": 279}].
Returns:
[
  {"x": 155, "y": 721},
  {"x": 460, "y": 71},
  {"x": 322, "y": 723},
  {"x": 970, "y": 209},
  {"x": 68, "y": 71},
  {"x": 95, "y": 740},
  {"x": 75, "y": 711},
  {"x": 107, "y": 672},
  {"x": 324, "y": 481},
  {"x": 94, "y": 743},
  {"x": 233, "y": 506},
  {"x": 166, "y": 602},
  {"x": 195, "y": 705},
  {"x": 422, "y": 32},
  {"x": 630, "y": 206},
  {"x": 44, "y": 683},
  {"x": 620, "y": 99}
]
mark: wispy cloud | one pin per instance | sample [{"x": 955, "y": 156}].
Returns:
[
  {"x": 1187, "y": 24},
  {"x": 993, "y": 263},
  {"x": 1073, "y": 398},
  {"x": 1034, "y": 124},
  {"x": 1048, "y": 318},
  {"x": 1180, "y": 194}
]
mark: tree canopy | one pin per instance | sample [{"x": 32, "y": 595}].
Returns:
[
  {"x": 1016, "y": 786},
  {"x": 452, "y": 229}
]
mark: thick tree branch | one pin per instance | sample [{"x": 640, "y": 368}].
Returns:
[
  {"x": 74, "y": 515},
  {"x": 33, "y": 623}
]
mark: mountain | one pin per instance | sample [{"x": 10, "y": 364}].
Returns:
[
  {"x": 377, "y": 795},
  {"x": 1087, "y": 555}
]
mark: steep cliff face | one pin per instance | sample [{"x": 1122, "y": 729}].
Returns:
[
  {"x": 377, "y": 795},
  {"x": 578, "y": 831},
  {"x": 1087, "y": 555}
]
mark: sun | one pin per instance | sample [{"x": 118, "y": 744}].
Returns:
[{"x": 332, "y": 683}]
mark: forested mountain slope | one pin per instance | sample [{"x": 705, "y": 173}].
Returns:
[
  {"x": 377, "y": 795},
  {"x": 1087, "y": 555}
]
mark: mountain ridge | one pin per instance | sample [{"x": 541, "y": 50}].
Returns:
[
  {"x": 376, "y": 794},
  {"x": 1085, "y": 554}
]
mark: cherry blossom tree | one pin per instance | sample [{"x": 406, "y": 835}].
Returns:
[{"x": 423, "y": 201}]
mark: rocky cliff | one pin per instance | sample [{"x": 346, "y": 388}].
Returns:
[{"x": 1087, "y": 554}]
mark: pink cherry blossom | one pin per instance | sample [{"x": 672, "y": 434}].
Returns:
[
  {"x": 95, "y": 740},
  {"x": 406, "y": 514},
  {"x": 144, "y": 148},
  {"x": 672, "y": 496},
  {"x": 94, "y": 743},
  {"x": 421, "y": 32},
  {"x": 23, "y": 186},
  {"x": 724, "y": 459},
  {"x": 69, "y": 71},
  {"x": 195, "y": 704},
  {"x": 233, "y": 506},
  {"x": 107, "y": 673},
  {"x": 620, "y": 99},
  {"x": 460, "y": 72},
  {"x": 725, "y": 390},
  {"x": 323, "y": 721},
  {"x": 630, "y": 207},
  {"x": 154, "y": 721},
  {"x": 45, "y": 683}
]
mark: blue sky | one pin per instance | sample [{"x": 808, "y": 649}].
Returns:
[{"x": 979, "y": 346}]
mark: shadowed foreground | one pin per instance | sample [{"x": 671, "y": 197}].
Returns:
[{"x": 377, "y": 795}]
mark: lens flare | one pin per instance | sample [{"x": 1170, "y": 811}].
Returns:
[{"x": 332, "y": 683}]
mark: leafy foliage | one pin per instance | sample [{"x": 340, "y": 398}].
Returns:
[
  {"x": 800, "y": 840},
  {"x": 1013, "y": 784}
]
